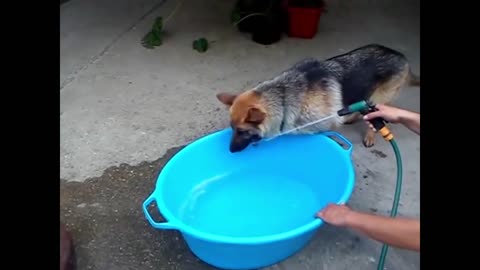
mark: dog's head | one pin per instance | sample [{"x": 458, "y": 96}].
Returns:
[{"x": 247, "y": 114}]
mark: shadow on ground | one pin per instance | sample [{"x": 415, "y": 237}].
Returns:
[{"x": 108, "y": 225}]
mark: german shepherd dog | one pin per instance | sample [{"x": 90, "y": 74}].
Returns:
[{"x": 313, "y": 89}]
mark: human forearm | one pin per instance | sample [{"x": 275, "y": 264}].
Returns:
[
  {"x": 398, "y": 232},
  {"x": 411, "y": 120}
]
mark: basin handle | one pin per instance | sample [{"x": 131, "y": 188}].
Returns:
[
  {"x": 157, "y": 225},
  {"x": 337, "y": 135}
]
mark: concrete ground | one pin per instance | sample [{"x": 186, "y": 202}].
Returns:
[{"x": 125, "y": 110}]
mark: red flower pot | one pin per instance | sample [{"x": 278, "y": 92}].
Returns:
[{"x": 303, "y": 22}]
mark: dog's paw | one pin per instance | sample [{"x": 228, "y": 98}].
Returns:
[{"x": 369, "y": 141}]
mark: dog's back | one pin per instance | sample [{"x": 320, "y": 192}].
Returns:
[{"x": 370, "y": 71}]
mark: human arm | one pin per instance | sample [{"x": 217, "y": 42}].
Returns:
[
  {"x": 398, "y": 232},
  {"x": 409, "y": 119}
]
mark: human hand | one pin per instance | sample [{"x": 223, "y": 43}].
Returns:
[
  {"x": 389, "y": 113},
  {"x": 335, "y": 214}
]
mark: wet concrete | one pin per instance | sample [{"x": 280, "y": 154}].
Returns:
[{"x": 108, "y": 226}]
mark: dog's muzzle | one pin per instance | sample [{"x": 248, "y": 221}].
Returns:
[{"x": 239, "y": 144}]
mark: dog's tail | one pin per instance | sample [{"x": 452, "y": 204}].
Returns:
[{"x": 414, "y": 80}]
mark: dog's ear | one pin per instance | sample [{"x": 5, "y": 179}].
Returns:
[
  {"x": 255, "y": 116},
  {"x": 226, "y": 98}
]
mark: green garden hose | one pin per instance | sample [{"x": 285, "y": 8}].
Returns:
[
  {"x": 396, "y": 199},
  {"x": 364, "y": 107}
]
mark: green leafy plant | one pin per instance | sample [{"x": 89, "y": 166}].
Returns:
[
  {"x": 154, "y": 38},
  {"x": 200, "y": 45}
]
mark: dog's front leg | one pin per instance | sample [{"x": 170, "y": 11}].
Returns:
[{"x": 369, "y": 138}]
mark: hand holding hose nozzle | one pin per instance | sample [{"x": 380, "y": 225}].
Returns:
[{"x": 366, "y": 107}]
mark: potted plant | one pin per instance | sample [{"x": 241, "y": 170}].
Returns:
[
  {"x": 303, "y": 17},
  {"x": 265, "y": 20}
]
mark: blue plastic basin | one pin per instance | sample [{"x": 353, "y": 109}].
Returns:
[{"x": 254, "y": 208}]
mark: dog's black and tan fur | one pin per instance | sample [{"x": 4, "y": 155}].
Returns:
[{"x": 313, "y": 89}]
